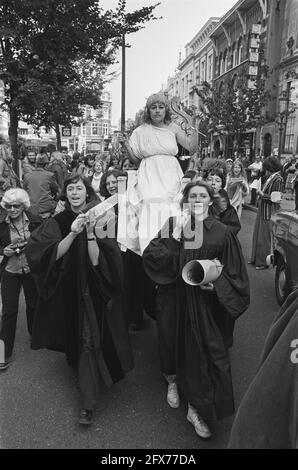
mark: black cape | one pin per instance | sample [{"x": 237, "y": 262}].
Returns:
[
  {"x": 71, "y": 288},
  {"x": 203, "y": 318},
  {"x": 267, "y": 417}
]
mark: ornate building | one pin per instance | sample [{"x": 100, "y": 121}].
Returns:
[
  {"x": 280, "y": 134},
  {"x": 237, "y": 40},
  {"x": 93, "y": 135}
]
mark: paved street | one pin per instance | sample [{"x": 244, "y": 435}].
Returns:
[{"x": 39, "y": 397}]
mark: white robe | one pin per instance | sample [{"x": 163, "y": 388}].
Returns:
[{"x": 155, "y": 196}]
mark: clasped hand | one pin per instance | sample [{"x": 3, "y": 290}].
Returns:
[
  {"x": 9, "y": 250},
  {"x": 209, "y": 286},
  {"x": 82, "y": 221}
]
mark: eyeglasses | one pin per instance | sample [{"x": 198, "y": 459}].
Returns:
[{"x": 12, "y": 206}]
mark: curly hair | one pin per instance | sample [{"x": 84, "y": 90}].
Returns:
[
  {"x": 91, "y": 195},
  {"x": 272, "y": 164},
  {"x": 103, "y": 186},
  {"x": 15, "y": 195},
  {"x": 156, "y": 98}
]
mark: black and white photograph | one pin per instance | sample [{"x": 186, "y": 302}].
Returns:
[{"x": 149, "y": 228}]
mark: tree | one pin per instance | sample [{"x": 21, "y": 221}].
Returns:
[
  {"x": 41, "y": 44},
  {"x": 234, "y": 108}
]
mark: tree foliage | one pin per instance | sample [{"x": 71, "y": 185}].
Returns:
[
  {"x": 54, "y": 54},
  {"x": 233, "y": 108}
]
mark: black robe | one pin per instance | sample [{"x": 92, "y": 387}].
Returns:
[
  {"x": 229, "y": 216},
  {"x": 267, "y": 417},
  {"x": 202, "y": 325},
  {"x": 71, "y": 288}
]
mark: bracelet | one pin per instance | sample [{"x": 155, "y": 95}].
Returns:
[{"x": 91, "y": 239}]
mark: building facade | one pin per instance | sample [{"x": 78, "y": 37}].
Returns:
[
  {"x": 238, "y": 39},
  {"x": 280, "y": 134},
  {"x": 93, "y": 134},
  {"x": 251, "y": 36}
]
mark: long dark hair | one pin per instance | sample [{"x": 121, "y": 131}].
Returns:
[
  {"x": 102, "y": 187},
  {"x": 91, "y": 195}
]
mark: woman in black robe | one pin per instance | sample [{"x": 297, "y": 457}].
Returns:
[
  {"x": 201, "y": 329},
  {"x": 80, "y": 289},
  {"x": 222, "y": 208}
]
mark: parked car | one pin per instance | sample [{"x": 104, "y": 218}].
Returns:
[{"x": 285, "y": 253}]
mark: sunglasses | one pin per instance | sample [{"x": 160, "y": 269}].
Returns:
[{"x": 12, "y": 206}]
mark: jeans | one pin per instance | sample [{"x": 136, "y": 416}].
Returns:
[{"x": 10, "y": 291}]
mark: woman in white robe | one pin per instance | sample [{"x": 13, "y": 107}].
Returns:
[{"x": 158, "y": 187}]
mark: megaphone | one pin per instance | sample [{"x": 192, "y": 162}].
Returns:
[{"x": 198, "y": 272}]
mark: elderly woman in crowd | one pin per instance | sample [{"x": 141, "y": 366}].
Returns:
[
  {"x": 80, "y": 279},
  {"x": 268, "y": 204},
  {"x": 192, "y": 320},
  {"x": 15, "y": 272}
]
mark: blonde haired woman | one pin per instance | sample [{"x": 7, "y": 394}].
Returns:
[{"x": 14, "y": 270}]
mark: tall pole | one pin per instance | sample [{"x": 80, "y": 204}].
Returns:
[{"x": 123, "y": 86}]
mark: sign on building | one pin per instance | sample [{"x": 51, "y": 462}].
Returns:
[
  {"x": 253, "y": 70},
  {"x": 254, "y": 43},
  {"x": 253, "y": 56},
  {"x": 66, "y": 131},
  {"x": 251, "y": 84},
  {"x": 256, "y": 29}
]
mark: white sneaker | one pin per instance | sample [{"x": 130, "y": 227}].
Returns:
[
  {"x": 199, "y": 424},
  {"x": 173, "y": 395}
]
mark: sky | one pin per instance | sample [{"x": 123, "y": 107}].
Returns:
[{"x": 154, "y": 52}]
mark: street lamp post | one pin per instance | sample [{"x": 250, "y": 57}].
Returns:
[
  {"x": 285, "y": 110},
  {"x": 123, "y": 86}
]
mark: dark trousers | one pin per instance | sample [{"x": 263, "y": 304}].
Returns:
[
  {"x": 139, "y": 290},
  {"x": 89, "y": 378},
  {"x": 253, "y": 198},
  {"x": 296, "y": 196},
  {"x": 10, "y": 291},
  {"x": 166, "y": 324}
]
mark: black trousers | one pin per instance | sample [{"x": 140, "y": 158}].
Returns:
[
  {"x": 166, "y": 324},
  {"x": 10, "y": 291}
]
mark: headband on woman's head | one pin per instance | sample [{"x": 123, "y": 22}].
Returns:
[{"x": 157, "y": 98}]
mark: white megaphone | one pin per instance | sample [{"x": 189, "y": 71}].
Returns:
[{"x": 198, "y": 272}]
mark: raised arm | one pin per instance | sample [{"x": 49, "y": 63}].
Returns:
[{"x": 188, "y": 139}]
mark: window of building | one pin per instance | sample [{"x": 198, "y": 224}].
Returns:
[
  {"x": 22, "y": 131},
  {"x": 203, "y": 70},
  {"x": 209, "y": 70},
  {"x": 197, "y": 74},
  {"x": 240, "y": 51},
  {"x": 182, "y": 87},
  {"x": 105, "y": 129},
  {"x": 225, "y": 61},
  {"x": 235, "y": 56},
  {"x": 83, "y": 129},
  {"x": 220, "y": 64},
  {"x": 289, "y": 137},
  {"x": 94, "y": 128},
  {"x": 105, "y": 112}
]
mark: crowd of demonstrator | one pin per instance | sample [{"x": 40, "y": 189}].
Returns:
[{"x": 84, "y": 291}]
